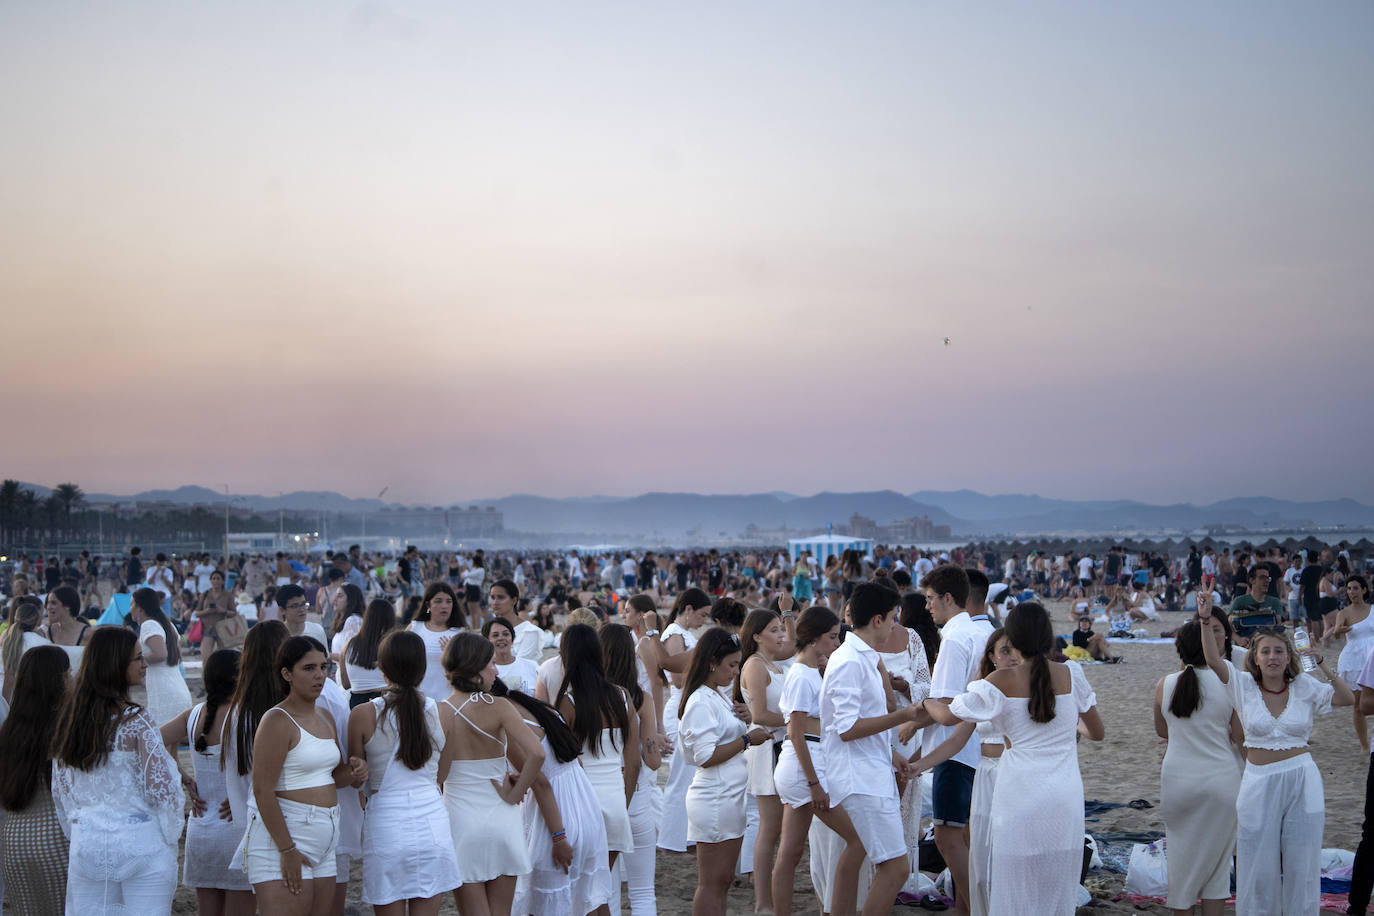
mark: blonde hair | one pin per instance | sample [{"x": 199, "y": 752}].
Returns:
[
  {"x": 1294, "y": 667},
  {"x": 583, "y": 615}
]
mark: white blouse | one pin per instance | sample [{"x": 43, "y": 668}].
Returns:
[
  {"x": 707, "y": 722},
  {"x": 1307, "y": 699},
  {"x": 134, "y": 795}
]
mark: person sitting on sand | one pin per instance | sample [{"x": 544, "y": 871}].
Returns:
[{"x": 1095, "y": 644}]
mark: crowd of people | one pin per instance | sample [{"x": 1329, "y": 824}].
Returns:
[{"x": 494, "y": 728}]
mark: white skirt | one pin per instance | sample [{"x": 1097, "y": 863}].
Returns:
[
  {"x": 549, "y": 890},
  {"x": 488, "y": 834},
  {"x": 760, "y": 760},
  {"x": 407, "y": 847},
  {"x": 980, "y": 837}
]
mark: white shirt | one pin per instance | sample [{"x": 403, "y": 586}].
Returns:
[
  {"x": 924, "y": 566},
  {"x": 160, "y": 579},
  {"x": 627, "y": 566},
  {"x": 203, "y": 577},
  {"x": 1209, "y": 565},
  {"x": 852, "y": 689},
  {"x": 1085, "y": 568},
  {"x": 962, "y": 640},
  {"x": 574, "y": 568},
  {"x": 529, "y": 642}
]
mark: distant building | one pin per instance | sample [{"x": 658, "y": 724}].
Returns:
[
  {"x": 913, "y": 530},
  {"x": 861, "y": 527},
  {"x": 453, "y": 521}
]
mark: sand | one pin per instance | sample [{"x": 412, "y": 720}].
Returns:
[{"x": 1123, "y": 767}]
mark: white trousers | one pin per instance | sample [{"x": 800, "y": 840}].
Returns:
[
  {"x": 1280, "y": 813},
  {"x": 636, "y": 868}
]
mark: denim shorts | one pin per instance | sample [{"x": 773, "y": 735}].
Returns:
[{"x": 952, "y": 793}]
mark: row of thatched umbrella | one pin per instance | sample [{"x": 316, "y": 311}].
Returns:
[{"x": 1169, "y": 546}]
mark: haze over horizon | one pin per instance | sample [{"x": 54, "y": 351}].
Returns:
[{"x": 463, "y": 250}]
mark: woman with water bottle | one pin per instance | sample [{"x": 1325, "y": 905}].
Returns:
[{"x": 1280, "y": 810}]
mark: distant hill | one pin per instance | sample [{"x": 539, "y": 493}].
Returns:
[{"x": 671, "y": 515}]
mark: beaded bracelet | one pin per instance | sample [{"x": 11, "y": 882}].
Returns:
[{"x": 562, "y": 834}]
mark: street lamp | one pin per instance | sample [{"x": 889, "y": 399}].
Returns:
[{"x": 379, "y": 496}]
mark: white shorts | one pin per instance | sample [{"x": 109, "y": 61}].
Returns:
[
  {"x": 314, "y": 830},
  {"x": 878, "y": 822}
]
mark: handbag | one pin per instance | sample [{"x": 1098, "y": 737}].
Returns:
[
  {"x": 231, "y": 631},
  {"x": 193, "y": 635}
]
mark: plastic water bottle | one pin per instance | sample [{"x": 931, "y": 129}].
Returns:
[{"x": 1303, "y": 643}]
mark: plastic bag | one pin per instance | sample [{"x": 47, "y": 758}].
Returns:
[{"x": 1148, "y": 873}]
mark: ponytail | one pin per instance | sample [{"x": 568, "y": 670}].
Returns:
[
  {"x": 401, "y": 657},
  {"x": 1187, "y": 694},
  {"x": 220, "y": 676},
  {"x": 1042, "y": 700}
]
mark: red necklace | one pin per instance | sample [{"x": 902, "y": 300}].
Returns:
[{"x": 1267, "y": 690}]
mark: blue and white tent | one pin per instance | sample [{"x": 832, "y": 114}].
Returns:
[
  {"x": 825, "y": 545},
  {"x": 115, "y": 611}
]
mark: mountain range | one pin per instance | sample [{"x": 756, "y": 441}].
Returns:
[{"x": 669, "y": 515}]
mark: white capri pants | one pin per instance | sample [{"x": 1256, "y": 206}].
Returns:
[{"x": 1280, "y": 814}]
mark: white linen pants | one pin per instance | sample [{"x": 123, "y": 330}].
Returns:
[{"x": 1280, "y": 813}]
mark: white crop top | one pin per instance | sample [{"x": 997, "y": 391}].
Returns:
[
  {"x": 310, "y": 763},
  {"x": 801, "y": 692},
  {"x": 1307, "y": 699}
]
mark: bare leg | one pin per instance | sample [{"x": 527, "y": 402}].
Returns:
[
  {"x": 1361, "y": 727},
  {"x": 953, "y": 846},
  {"x": 210, "y": 901},
  {"x": 765, "y": 848},
  {"x": 715, "y": 871},
  {"x": 795, "y": 822},
  {"x": 888, "y": 878}
]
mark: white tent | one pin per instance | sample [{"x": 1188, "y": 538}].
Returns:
[{"x": 825, "y": 545}]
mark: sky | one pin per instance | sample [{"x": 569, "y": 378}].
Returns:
[{"x": 461, "y": 250}]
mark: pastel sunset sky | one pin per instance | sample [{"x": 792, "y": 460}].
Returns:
[{"x": 469, "y": 249}]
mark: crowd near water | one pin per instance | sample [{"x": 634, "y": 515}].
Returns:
[{"x": 534, "y": 733}]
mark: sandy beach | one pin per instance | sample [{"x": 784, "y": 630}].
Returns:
[{"x": 1123, "y": 767}]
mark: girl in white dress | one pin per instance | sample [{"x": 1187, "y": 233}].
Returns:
[
  {"x": 997, "y": 655},
  {"x": 674, "y": 649},
  {"x": 763, "y": 644},
  {"x": 1355, "y": 623},
  {"x": 713, "y": 739},
  {"x": 1194, "y": 714},
  {"x": 168, "y": 694},
  {"x": 116, "y": 789},
  {"x": 483, "y": 804},
  {"x": 1281, "y": 806},
  {"x": 1037, "y": 817},
  {"x": 800, "y": 774},
  {"x": 599, "y": 714},
  {"x": 625, "y": 669},
  {"x": 438, "y": 621},
  {"x": 408, "y": 857},
  {"x": 211, "y": 837},
  {"x": 565, "y": 830}
]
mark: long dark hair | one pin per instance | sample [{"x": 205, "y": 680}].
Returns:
[
  {"x": 256, "y": 690},
  {"x": 1028, "y": 629},
  {"x": 988, "y": 662},
  {"x": 599, "y": 704},
  {"x": 754, "y": 624},
  {"x": 618, "y": 655},
  {"x": 715, "y": 644},
  {"x": 566, "y": 747},
  {"x": 402, "y": 660},
  {"x": 40, "y": 686},
  {"x": 98, "y": 702},
  {"x": 69, "y": 598},
  {"x": 916, "y": 616},
  {"x": 147, "y": 601},
  {"x": 1188, "y": 689},
  {"x": 220, "y": 676},
  {"x": 688, "y": 598},
  {"x": 456, "y": 620},
  {"x": 379, "y": 618},
  {"x": 353, "y": 596}
]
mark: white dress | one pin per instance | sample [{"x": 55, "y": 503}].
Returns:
[
  {"x": 123, "y": 819},
  {"x": 605, "y": 770},
  {"x": 435, "y": 685},
  {"x": 210, "y": 840},
  {"x": 549, "y": 890},
  {"x": 1358, "y": 644},
  {"x": 488, "y": 833},
  {"x": 980, "y": 823},
  {"x": 1200, "y": 814},
  {"x": 911, "y": 664},
  {"x": 1037, "y": 819},
  {"x": 715, "y": 800},
  {"x": 760, "y": 759},
  {"x": 407, "y": 839},
  {"x": 168, "y": 695},
  {"x": 672, "y": 833}
]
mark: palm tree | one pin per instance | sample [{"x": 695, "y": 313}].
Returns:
[
  {"x": 71, "y": 497},
  {"x": 9, "y": 505}
]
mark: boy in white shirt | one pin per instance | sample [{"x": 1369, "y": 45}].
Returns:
[{"x": 856, "y": 741}]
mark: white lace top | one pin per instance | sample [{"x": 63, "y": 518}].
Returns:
[
  {"x": 137, "y": 786},
  {"x": 1307, "y": 699}
]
